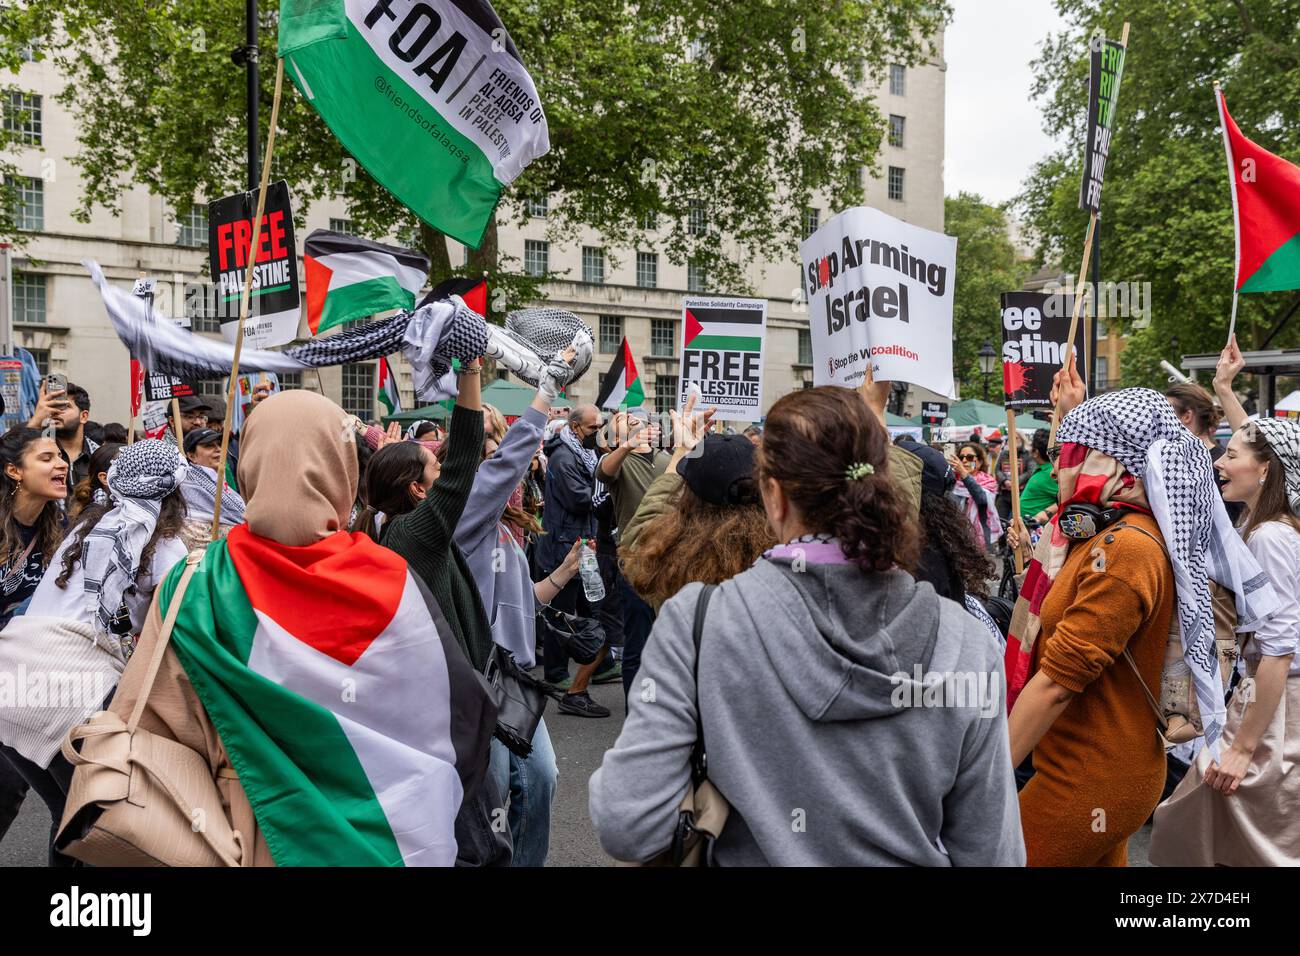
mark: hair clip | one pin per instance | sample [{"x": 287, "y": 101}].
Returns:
[{"x": 859, "y": 470}]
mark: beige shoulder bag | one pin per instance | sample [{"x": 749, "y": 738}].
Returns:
[{"x": 138, "y": 799}]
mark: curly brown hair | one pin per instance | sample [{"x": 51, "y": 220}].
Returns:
[
  {"x": 694, "y": 541},
  {"x": 951, "y": 534},
  {"x": 811, "y": 440},
  {"x": 171, "y": 519}
]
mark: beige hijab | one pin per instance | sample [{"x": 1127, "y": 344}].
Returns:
[{"x": 297, "y": 468}]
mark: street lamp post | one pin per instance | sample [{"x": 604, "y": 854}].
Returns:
[{"x": 988, "y": 361}]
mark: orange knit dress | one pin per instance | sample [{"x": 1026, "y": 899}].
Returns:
[{"x": 1100, "y": 768}]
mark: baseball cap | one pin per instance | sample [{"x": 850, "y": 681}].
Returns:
[
  {"x": 201, "y": 436},
  {"x": 936, "y": 474},
  {"x": 722, "y": 471},
  {"x": 193, "y": 403}
]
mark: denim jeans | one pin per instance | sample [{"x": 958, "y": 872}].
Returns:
[
  {"x": 13, "y": 788},
  {"x": 530, "y": 782},
  {"x": 52, "y": 784},
  {"x": 638, "y": 619}
]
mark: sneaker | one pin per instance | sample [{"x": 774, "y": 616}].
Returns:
[
  {"x": 610, "y": 675},
  {"x": 581, "y": 705}
]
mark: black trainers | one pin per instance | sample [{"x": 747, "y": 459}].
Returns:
[{"x": 581, "y": 705}]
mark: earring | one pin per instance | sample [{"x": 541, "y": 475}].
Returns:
[{"x": 1263, "y": 478}]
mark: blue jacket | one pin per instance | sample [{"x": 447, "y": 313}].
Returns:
[{"x": 568, "y": 515}]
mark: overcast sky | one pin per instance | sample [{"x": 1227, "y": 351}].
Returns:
[{"x": 994, "y": 131}]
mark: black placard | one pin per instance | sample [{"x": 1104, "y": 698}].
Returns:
[
  {"x": 274, "y": 303},
  {"x": 934, "y": 413},
  {"x": 1107, "y": 68},
  {"x": 1034, "y": 329}
]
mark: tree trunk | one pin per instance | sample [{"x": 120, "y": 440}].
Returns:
[
  {"x": 483, "y": 260},
  {"x": 435, "y": 244}
]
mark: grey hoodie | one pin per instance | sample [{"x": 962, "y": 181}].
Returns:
[{"x": 824, "y": 756}]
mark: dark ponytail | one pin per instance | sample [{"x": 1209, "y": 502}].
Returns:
[
  {"x": 388, "y": 484},
  {"x": 811, "y": 440}
]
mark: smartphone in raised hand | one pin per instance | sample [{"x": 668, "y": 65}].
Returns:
[{"x": 56, "y": 383}]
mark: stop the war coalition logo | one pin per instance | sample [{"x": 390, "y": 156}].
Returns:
[{"x": 879, "y": 291}]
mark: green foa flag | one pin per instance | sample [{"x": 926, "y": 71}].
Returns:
[{"x": 430, "y": 97}]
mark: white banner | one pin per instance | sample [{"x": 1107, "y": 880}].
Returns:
[{"x": 880, "y": 289}]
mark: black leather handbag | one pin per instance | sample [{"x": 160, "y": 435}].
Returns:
[
  {"x": 581, "y": 637},
  {"x": 520, "y": 700}
]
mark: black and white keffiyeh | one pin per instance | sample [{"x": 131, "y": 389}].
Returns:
[
  {"x": 139, "y": 478},
  {"x": 589, "y": 459},
  {"x": 1138, "y": 428},
  {"x": 1283, "y": 436},
  {"x": 200, "y": 492},
  {"x": 429, "y": 337}
]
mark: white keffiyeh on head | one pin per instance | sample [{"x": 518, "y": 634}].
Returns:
[
  {"x": 139, "y": 478},
  {"x": 1138, "y": 428},
  {"x": 200, "y": 491},
  {"x": 1283, "y": 436}
]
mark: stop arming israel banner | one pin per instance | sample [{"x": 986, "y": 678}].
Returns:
[
  {"x": 275, "y": 303},
  {"x": 879, "y": 290},
  {"x": 722, "y": 353},
  {"x": 1034, "y": 328}
]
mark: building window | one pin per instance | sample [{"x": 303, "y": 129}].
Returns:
[
  {"x": 192, "y": 226},
  {"x": 29, "y": 202},
  {"x": 896, "y": 182},
  {"x": 23, "y": 116},
  {"x": 344, "y": 227},
  {"x": 697, "y": 219},
  {"x": 896, "y": 125},
  {"x": 647, "y": 269},
  {"x": 211, "y": 387},
  {"x": 289, "y": 380},
  {"x": 1103, "y": 374},
  {"x": 537, "y": 256},
  {"x": 697, "y": 278},
  {"x": 593, "y": 265},
  {"x": 663, "y": 337},
  {"x": 650, "y": 220},
  {"x": 611, "y": 332},
  {"x": 359, "y": 390},
  {"x": 665, "y": 393},
  {"x": 805, "y": 347},
  {"x": 29, "y": 297},
  {"x": 42, "y": 357},
  {"x": 897, "y": 80},
  {"x": 201, "y": 307},
  {"x": 812, "y": 220},
  {"x": 537, "y": 206}
]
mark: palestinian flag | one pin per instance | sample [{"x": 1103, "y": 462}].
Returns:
[
  {"x": 1266, "y": 212},
  {"x": 339, "y": 691},
  {"x": 472, "y": 291},
  {"x": 348, "y": 278},
  {"x": 622, "y": 388},
  {"x": 723, "y": 329},
  {"x": 388, "y": 396},
  {"x": 430, "y": 96}
]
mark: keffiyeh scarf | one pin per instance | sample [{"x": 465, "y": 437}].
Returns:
[
  {"x": 200, "y": 492},
  {"x": 588, "y": 458},
  {"x": 1283, "y": 436},
  {"x": 1130, "y": 448},
  {"x": 138, "y": 479}
]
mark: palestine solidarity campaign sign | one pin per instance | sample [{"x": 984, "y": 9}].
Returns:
[
  {"x": 1034, "y": 328},
  {"x": 879, "y": 291},
  {"x": 275, "y": 303},
  {"x": 722, "y": 353},
  {"x": 431, "y": 98}
]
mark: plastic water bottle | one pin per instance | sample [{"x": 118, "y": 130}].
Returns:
[{"x": 592, "y": 586}]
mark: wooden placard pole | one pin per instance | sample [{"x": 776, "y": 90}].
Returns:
[
  {"x": 244, "y": 300},
  {"x": 1013, "y": 450},
  {"x": 1078, "y": 298},
  {"x": 177, "y": 427}
]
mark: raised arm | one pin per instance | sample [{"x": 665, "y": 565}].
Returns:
[{"x": 1230, "y": 363}]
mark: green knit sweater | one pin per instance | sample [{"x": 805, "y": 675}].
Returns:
[{"x": 424, "y": 538}]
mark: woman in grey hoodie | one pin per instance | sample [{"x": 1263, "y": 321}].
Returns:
[
  {"x": 850, "y": 715},
  {"x": 500, "y": 569}
]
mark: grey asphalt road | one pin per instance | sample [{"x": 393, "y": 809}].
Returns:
[{"x": 579, "y": 742}]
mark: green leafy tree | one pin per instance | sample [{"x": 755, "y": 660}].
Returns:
[
  {"x": 1166, "y": 206},
  {"x": 987, "y": 266},
  {"x": 748, "y": 107}
]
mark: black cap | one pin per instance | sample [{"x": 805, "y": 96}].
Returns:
[
  {"x": 201, "y": 436},
  {"x": 937, "y": 476},
  {"x": 192, "y": 403},
  {"x": 718, "y": 470}
]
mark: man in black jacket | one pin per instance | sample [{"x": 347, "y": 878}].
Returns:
[{"x": 570, "y": 514}]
